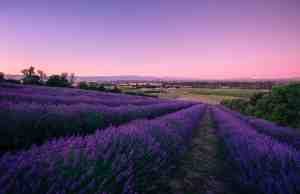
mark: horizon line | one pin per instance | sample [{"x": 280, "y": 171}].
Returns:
[{"x": 183, "y": 78}]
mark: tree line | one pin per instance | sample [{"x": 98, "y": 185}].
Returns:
[
  {"x": 281, "y": 105},
  {"x": 32, "y": 76}
]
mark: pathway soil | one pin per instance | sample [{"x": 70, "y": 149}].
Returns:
[{"x": 202, "y": 170}]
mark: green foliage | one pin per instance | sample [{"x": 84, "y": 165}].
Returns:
[
  {"x": 91, "y": 86},
  {"x": 1, "y": 76},
  {"x": 281, "y": 105},
  {"x": 97, "y": 87},
  {"x": 33, "y": 80},
  {"x": 236, "y": 104},
  {"x": 234, "y": 92},
  {"x": 83, "y": 85},
  {"x": 115, "y": 90},
  {"x": 58, "y": 80},
  {"x": 30, "y": 77}
]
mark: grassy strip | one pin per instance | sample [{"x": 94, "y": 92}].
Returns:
[
  {"x": 245, "y": 93},
  {"x": 202, "y": 170}
]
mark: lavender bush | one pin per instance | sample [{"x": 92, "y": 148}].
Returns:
[
  {"x": 24, "y": 124},
  {"x": 263, "y": 164},
  {"x": 69, "y": 96},
  {"x": 126, "y": 159},
  {"x": 283, "y": 134}
]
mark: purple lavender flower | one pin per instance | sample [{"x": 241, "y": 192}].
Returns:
[
  {"x": 129, "y": 158},
  {"x": 263, "y": 164}
]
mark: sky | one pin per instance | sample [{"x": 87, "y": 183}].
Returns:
[{"x": 208, "y": 39}]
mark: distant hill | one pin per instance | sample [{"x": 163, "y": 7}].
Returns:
[
  {"x": 153, "y": 78},
  {"x": 117, "y": 78},
  {"x": 265, "y": 79}
]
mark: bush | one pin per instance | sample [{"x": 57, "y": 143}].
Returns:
[
  {"x": 116, "y": 90},
  {"x": 236, "y": 104},
  {"x": 91, "y": 86},
  {"x": 281, "y": 105},
  {"x": 83, "y": 85},
  {"x": 58, "y": 81},
  {"x": 30, "y": 77},
  {"x": 33, "y": 80},
  {"x": 1, "y": 76}
]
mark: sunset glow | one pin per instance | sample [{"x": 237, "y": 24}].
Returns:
[{"x": 197, "y": 39}]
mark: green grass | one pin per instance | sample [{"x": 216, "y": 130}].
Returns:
[
  {"x": 202, "y": 169},
  {"x": 209, "y": 99},
  {"x": 242, "y": 93},
  {"x": 206, "y": 95}
]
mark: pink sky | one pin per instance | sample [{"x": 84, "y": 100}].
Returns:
[{"x": 206, "y": 39}]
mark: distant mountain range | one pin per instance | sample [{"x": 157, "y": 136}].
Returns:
[
  {"x": 117, "y": 78},
  {"x": 153, "y": 78}
]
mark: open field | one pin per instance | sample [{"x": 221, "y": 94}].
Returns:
[
  {"x": 240, "y": 93},
  {"x": 206, "y": 95},
  {"x": 209, "y": 99}
]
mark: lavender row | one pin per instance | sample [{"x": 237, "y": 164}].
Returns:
[
  {"x": 263, "y": 165},
  {"x": 24, "y": 124},
  {"x": 54, "y": 91},
  {"x": 127, "y": 159},
  {"x": 60, "y": 98},
  {"x": 6, "y": 89},
  {"x": 16, "y": 96},
  {"x": 282, "y": 134}
]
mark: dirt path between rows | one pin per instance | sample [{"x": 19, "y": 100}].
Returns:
[{"x": 202, "y": 170}]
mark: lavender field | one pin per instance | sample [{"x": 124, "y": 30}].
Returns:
[{"x": 66, "y": 141}]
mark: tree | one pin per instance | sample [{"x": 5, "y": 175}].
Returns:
[
  {"x": 64, "y": 80},
  {"x": 72, "y": 79},
  {"x": 83, "y": 85},
  {"x": 116, "y": 90},
  {"x": 43, "y": 76},
  {"x": 1, "y": 76},
  {"x": 281, "y": 105},
  {"x": 101, "y": 88},
  {"x": 96, "y": 86},
  {"x": 58, "y": 80},
  {"x": 28, "y": 72},
  {"x": 255, "y": 97},
  {"x": 91, "y": 86},
  {"x": 30, "y": 77}
]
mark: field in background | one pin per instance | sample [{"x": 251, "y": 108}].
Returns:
[
  {"x": 244, "y": 93},
  {"x": 206, "y": 95}
]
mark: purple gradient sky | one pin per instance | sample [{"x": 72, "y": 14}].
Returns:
[{"x": 184, "y": 38}]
